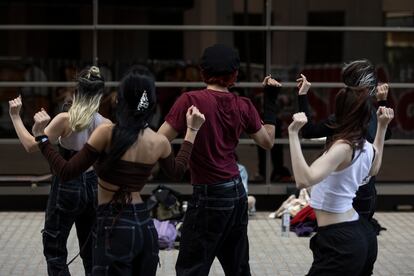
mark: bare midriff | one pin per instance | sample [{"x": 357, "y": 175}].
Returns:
[
  {"x": 325, "y": 218},
  {"x": 105, "y": 196}
]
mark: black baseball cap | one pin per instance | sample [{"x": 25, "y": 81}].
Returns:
[{"x": 220, "y": 59}]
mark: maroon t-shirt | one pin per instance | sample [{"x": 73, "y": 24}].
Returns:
[{"x": 227, "y": 116}]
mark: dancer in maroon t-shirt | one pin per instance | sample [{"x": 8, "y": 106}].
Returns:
[{"x": 216, "y": 220}]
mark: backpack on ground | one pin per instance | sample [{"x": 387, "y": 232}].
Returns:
[{"x": 164, "y": 203}]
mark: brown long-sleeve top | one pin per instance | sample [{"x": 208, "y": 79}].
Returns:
[{"x": 128, "y": 175}]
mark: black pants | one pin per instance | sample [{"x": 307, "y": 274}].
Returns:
[
  {"x": 365, "y": 201},
  {"x": 70, "y": 202},
  {"x": 126, "y": 241},
  {"x": 348, "y": 248},
  {"x": 215, "y": 225}
]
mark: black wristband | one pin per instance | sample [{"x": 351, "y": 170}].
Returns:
[
  {"x": 41, "y": 138},
  {"x": 269, "y": 104}
]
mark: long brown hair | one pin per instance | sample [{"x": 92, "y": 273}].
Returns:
[
  {"x": 352, "y": 114},
  {"x": 353, "y": 105}
]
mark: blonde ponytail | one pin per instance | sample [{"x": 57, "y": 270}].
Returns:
[{"x": 86, "y": 100}]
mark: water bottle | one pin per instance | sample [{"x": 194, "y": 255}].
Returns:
[
  {"x": 185, "y": 206},
  {"x": 286, "y": 222}
]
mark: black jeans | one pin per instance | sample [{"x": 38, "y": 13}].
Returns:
[
  {"x": 70, "y": 202},
  {"x": 347, "y": 248},
  {"x": 365, "y": 201},
  {"x": 215, "y": 225},
  {"x": 126, "y": 241}
]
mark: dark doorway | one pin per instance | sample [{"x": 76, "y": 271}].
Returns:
[{"x": 325, "y": 47}]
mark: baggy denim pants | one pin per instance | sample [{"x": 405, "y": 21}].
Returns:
[
  {"x": 70, "y": 202},
  {"x": 215, "y": 225}
]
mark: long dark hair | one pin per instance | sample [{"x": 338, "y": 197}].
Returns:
[
  {"x": 353, "y": 106},
  {"x": 136, "y": 102},
  {"x": 352, "y": 114}
]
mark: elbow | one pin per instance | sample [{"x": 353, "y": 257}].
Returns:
[
  {"x": 302, "y": 185},
  {"x": 374, "y": 171},
  {"x": 32, "y": 148},
  {"x": 303, "y": 182},
  {"x": 268, "y": 144}
]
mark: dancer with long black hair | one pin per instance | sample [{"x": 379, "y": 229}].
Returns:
[
  {"x": 75, "y": 201},
  {"x": 125, "y": 153},
  {"x": 215, "y": 224},
  {"x": 345, "y": 243}
]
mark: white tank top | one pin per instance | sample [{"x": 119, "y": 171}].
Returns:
[
  {"x": 76, "y": 140},
  {"x": 335, "y": 193}
]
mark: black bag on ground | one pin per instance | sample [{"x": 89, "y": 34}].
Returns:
[{"x": 165, "y": 204}]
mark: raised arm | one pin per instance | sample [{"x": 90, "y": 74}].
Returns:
[
  {"x": 175, "y": 167},
  {"x": 305, "y": 175},
  {"x": 384, "y": 117},
  {"x": 265, "y": 137},
  {"x": 81, "y": 161},
  {"x": 381, "y": 96},
  {"x": 310, "y": 129},
  {"x": 55, "y": 129}
]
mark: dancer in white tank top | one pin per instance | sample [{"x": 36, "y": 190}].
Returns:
[{"x": 344, "y": 244}]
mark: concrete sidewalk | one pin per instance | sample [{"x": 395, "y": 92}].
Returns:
[{"x": 270, "y": 254}]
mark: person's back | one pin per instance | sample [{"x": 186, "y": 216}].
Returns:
[
  {"x": 215, "y": 224},
  {"x": 345, "y": 243},
  {"x": 213, "y": 159},
  {"x": 74, "y": 140},
  {"x": 358, "y": 73},
  {"x": 69, "y": 202},
  {"x": 335, "y": 193},
  {"x": 133, "y": 168},
  {"x": 123, "y": 155}
]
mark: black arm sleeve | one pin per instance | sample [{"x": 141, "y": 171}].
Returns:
[
  {"x": 270, "y": 94},
  {"x": 314, "y": 130},
  {"x": 176, "y": 167},
  {"x": 67, "y": 170}
]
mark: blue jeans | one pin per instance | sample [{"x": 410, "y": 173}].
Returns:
[
  {"x": 70, "y": 202},
  {"x": 126, "y": 241},
  {"x": 215, "y": 225}
]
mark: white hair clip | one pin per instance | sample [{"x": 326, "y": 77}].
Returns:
[{"x": 143, "y": 102}]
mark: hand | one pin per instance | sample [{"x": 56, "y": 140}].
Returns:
[
  {"x": 271, "y": 82},
  {"x": 195, "y": 119},
  {"x": 299, "y": 120},
  {"x": 384, "y": 115},
  {"x": 41, "y": 119},
  {"x": 303, "y": 85},
  {"x": 15, "y": 106},
  {"x": 382, "y": 92}
]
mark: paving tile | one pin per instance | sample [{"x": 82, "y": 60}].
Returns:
[{"x": 270, "y": 254}]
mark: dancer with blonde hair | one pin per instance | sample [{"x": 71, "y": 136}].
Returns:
[{"x": 70, "y": 202}]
